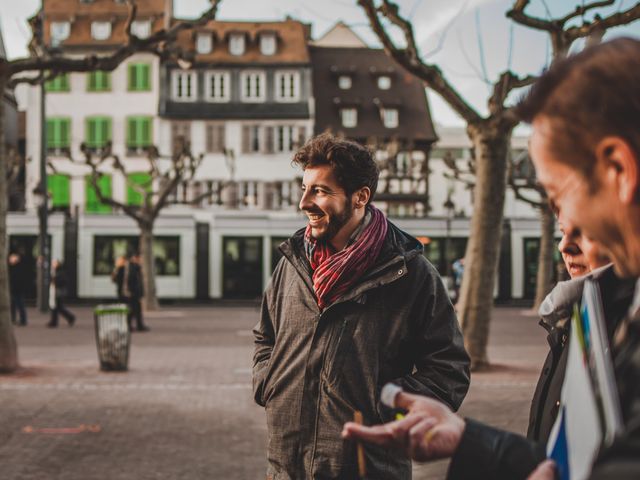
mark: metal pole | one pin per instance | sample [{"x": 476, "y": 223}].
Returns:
[{"x": 43, "y": 210}]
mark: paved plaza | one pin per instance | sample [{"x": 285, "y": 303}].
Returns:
[{"x": 184, "y": 410}]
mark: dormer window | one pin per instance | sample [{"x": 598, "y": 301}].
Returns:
[
  {"x": 236, "y": 44},
  {"x": 344, "y": 82},
  {"x": 141, "y": 28},
  {"x": 267, "y": 44},
  {"x": 59, "y": 32},
  {"x": 100, "y": 30},
  {"x": 204, "y": 43},
  {"x": 384, "y": 82}
]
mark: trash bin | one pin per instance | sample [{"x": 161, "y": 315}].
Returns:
[{"x": 113, "y": 338}]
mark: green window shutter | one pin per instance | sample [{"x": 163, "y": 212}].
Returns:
[
  {"x": 132, "y": 69},
  {"x": 98, "y": 131},
  {"x": 58, "y": 84},
  {"x": 93, "y": 204},
  {"x": 99, "y": 81},
  {"x": 145, "y": 73},
  {"x": 64, "y": 82},
  {"x": 59, "y": 189},
  {"x": 58, "y": 132},
  {"x": 145, "y": 134},
  {"x": 65, "y": 131},
  {"x": 143, "y": 180},
  {"x": 51, "y": 133}
]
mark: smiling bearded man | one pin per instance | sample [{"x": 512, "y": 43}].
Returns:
[{"x": 353, "y": 304}]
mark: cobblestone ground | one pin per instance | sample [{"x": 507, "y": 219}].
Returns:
[{"x": 184, "y": 409}]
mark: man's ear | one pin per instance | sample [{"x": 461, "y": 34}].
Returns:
[
  {"x": 621, "y": 166},
  {"x": 362, "y": 197}
]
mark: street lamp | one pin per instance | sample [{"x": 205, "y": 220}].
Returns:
[{"x": 449, "y": 206}]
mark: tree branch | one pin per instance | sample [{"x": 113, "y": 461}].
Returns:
[{"x": 408, "y": 57}]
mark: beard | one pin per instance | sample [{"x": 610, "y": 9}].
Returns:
[{"x": 335, "y": 223}]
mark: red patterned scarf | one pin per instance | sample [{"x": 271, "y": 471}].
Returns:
[{"x": 335, "y": 272}]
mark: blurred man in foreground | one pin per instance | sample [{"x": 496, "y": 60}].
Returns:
[{"x": 585, "y": 146}]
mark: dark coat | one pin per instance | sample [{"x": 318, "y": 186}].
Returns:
[
  {"x": 555, "y": 313},
  {"x": 313, "y": 369},
  {"x": 135, "y": 284},
  {"x": 117, "y": 276},
  {"x": 18, "y": 278},
  {"x": 61, "y": 282},
  {"x": 485, "y": 452}
]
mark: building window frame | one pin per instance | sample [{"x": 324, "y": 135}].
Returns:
[
  {"x": 139, "y": 133},
  {"x": 349, "y": 117},
  {"x": 98, "y": 131},
  {"x": 100, "y": 30},
  {"x": 217, "y": 86},
  {"x": 141, "y": 28},
  {"x": 58, "y": 134},
  {"x": 384, "y": 82},
  {"x": 390, "y": 117},
  {"x": 60, "y": 83},
  {"x": 92, "y": 201},
  {"x": 345, "y": 82},
  {"x": 268, "y": 44},
  {"x": 98, "y": 81},
  {"x": 59, "y": 32},
  {"x": 287, "y": 86},
  {"x": 184, "y": 86},
  {"x": 139, "y": 77},
  {"x": 237, "y": 44},
  {"x": 253, "y": 86},
  {"x": 204, "y": 43}
]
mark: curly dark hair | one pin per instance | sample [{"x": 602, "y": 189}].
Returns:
[{"x": 352, "y": 163}]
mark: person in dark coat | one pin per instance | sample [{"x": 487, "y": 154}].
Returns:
[
  {"x": 18, "y": 280},
  {"x": 58, "y": 292},
  {"x": 352, "y": 304},
  {"x": 134, "y": 290},
  {"x": 588, "y": 161}
]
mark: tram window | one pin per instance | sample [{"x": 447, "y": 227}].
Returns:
[
  {"x": 107, "y": 248},
  {"x": 434, "y": 251}
]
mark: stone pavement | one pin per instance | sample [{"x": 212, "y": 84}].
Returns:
[{"x": 184, "y": 409}]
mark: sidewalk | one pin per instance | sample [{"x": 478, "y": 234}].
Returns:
[{"x": 184, "y": 410}]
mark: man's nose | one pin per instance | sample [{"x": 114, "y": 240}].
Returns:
[{"x": 305, "y": 201}]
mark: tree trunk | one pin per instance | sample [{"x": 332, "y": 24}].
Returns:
[
  {"x": 8, "y": 346},
  {"x": 490, "y": 143},
  {"x": 544, "y": 277},
  {"x": 148, "y": 270}
]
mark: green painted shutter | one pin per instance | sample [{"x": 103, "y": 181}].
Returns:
[
  {"x": 93, "y": 204},
  {"x": 132, "y": 69},
  {"x": 51, "y": 133},
  {"x": 134, "y": 197},
  {"x": 145, "y": 73},
  {"x": 145, "y": 126},
  {"x": 59, "y": 189},
  {"x": 65, "y": 132}
]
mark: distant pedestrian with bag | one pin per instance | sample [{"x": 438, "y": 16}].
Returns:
[{"x": 58, "y": 291}]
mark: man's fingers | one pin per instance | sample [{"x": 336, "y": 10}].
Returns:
[
  {"x": 406, "y": 400},
  {"x": 389, "y": 434},
  {"x": 545, "y": 471},
  {"x": 420, "y": 435}
]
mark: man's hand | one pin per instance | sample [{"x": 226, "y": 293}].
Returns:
[
  {"x": 545, "y": 471},
  {"x": 429, "y": 431}
]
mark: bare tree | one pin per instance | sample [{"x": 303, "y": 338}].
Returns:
[
  {"x": 45, "y": 64},
  {"x": 490, "y": 136},
  {"x": 523, "y": 182},
  {"x": 164, "y": 177}
]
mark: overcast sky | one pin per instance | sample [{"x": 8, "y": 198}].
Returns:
[{"x": 448, "y": 33}]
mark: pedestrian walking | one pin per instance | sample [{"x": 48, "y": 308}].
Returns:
[
  {"x": 58, "y": 292},
  {"x": 133, "y": 290},
  {"x": 352, "y": 304},
  {"x": 18, "y": 279}
]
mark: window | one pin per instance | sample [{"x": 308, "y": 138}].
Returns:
[
  {"x": 384, "y": 82},
  {"x": 59, "y": 189},
  {"x": 139, "y": 77},
  {"x": 137, "y": 185},
  {"x": 204, "y": 43},
  {"x": 93, "y": 203},
  {"x": 390, "y": 117},
  {"x": 99, "y": 81},
  {"x": 100, "y": 30},
  {"x": 138, "y": 134},
  {"x": 97, "y": 132},
  {"x": 180, "y": 133},
  {"x": 218, "y": 86},
  {"x": 344, "y": 82},
  {"x": 285, "y": 138},
  {"x": 236, "y": 44},
  {"x": 267, "y": 44},
  {"x": 141, "y": 28},
  {"x": 250, "y": 138},
  {"x": 58, "y": 134},
  {"x": 253, "y": 86},
  {"x": 349, "y": 117},
  {"x": 287, "y": 86},
  {"x": 215, "y": 138},
  {"x": 107, "y": 248},
  {"x": 59, "y": 32},
  {"x": 184, "y": 86},
  {"x": 60, "y": 83}
]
